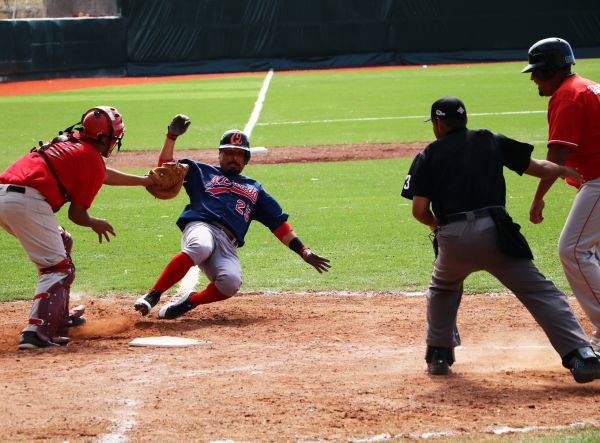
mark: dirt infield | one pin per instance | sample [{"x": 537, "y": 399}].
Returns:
[
  {"x": 313, "y": 367},
  {"x": 287, "y": 368},
  {"x": 280, "y": 154}
]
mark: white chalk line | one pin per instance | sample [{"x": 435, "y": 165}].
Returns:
[
  {"x": 367, "y": 294},
  {"x": 497, "y": 430},
  {"x": 123, "y": 418},
  {"x": 404, "y": 117},
  {"x": 258, "y": 105}
]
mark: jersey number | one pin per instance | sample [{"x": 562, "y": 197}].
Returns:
[{"x": 240, "y": 206}]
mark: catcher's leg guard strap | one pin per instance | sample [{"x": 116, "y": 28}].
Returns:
[{"x": 67, "y": 240}]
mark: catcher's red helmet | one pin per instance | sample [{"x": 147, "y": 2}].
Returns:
[
  {"x": 234, "y": 138},
  {"x": 105, "y": 125}
]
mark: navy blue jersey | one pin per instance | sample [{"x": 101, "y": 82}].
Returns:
[{"x": 231, "y": 200}]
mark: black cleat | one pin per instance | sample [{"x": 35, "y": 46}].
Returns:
[
  {"x": 178, "y": 308},
  {"x": 584, "y": 365},
  {"x": 144, "y": 304},
  {"x": 439, "y": 360},
  {"x": 31, "y": 340}
]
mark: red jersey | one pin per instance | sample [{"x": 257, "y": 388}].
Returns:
[
  {"x": 574, "y": 121},
  {"x": 77, "y": 163}
]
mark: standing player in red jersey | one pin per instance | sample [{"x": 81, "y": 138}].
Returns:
[
  {"x": 70, "y": 168},
  {"x": 573, "y": 140}
]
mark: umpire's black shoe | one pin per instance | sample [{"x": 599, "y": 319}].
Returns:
[
  {"x": 144, "y": 304},
  {"x": 31, "y": 340},
  {"x": 584, "y": 364},
  {"x": 177, "y": 308},
  {"x": 439, "y": 360}
]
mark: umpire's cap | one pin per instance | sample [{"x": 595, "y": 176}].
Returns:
[
  {"x": 448, "y": 108},
  {"x": 548, "y": 54}
]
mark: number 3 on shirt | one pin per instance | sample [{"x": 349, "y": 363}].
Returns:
[{"x": 239, "y": 207}]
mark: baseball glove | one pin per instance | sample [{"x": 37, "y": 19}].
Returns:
[
  {"x": 178, "y": 126},
  {"x": 167, "y": 180}
]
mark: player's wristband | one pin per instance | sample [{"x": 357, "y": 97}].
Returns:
[
  {"x": 297, "y": 246},
  {"x": 171, "y": 136}
]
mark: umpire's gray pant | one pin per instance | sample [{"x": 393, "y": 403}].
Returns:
[{"x": 471, "y": 245}]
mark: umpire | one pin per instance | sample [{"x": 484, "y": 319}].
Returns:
[{"x": 457, "y": 188}]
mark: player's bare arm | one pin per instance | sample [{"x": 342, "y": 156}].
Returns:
[
  {"x": 115, "y": 177},
  {"x": 422, "y": 212},
  {"x": 557, "y": 154},
  {"x": 78, "y": 214},
  {"x": 288, "y": 237}
]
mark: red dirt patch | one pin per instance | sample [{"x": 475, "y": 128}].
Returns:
[
  {"x": 317, "y": 153},
  {"x": 293, "y": 367}
]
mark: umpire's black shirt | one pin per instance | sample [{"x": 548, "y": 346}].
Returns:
[{"x": 462, "y": 171}]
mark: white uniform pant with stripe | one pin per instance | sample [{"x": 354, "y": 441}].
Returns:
[
  {"x": 579, "y": 249},
  {"x": 28, "y": 217},
  {"x": 214, "y": 253}
]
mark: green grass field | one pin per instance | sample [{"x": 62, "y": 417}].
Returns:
[{"x": 351, "y": 212}]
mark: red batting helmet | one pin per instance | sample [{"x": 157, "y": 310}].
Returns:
[
  {"x": 105, "y": 125},
  {"x": 234, "y": 138}
]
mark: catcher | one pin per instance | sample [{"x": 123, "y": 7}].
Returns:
[
  {"x": 69, "y": 168},
  {"x": 222, "y": 205}
]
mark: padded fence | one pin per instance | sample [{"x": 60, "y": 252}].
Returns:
[
  {"x": 184, "y": 36},
  {"x": 214, "y": 35},
  {"x": 47, "y": 48}
]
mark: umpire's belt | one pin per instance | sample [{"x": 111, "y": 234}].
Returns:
[
  {"x": 469, "y": 215},
  {"x": 225, "y": 230}
]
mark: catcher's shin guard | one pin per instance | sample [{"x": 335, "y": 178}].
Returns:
[{"x": 49, "y": 312}]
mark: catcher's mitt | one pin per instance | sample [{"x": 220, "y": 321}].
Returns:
[{"x": 167, "y": 180}]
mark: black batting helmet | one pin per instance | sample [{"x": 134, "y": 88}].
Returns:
[
  {"x": 234, "y": 138},
  {"x": 550, "y": 54}
]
